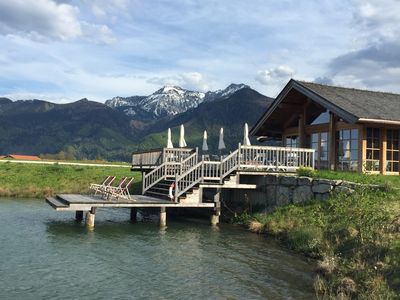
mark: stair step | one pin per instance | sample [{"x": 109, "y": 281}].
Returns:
[
  {"x": 159, "y": 188},
  {"x": 56, "y": 203},
  {"x": 159, "y": 195}
]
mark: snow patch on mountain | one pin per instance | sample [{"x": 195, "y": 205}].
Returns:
[{"x": 169, "y": 100}]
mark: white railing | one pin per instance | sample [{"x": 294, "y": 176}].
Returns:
[
  {"x": 211, "y": 170},
  {"x": 189, "y": 179},
  {"x": 188, "y": 172},
  {"x": 189, "y": 162},
  {"x": 275, "y": 158},
  {"x": 229, "y": 164},
  {"x": 157, "y": 157},
  {"x": 160, "y": 173}
]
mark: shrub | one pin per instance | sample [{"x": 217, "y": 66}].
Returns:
[{"x": 306, "y": 171}]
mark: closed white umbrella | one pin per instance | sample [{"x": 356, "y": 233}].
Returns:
[
  {"x": 221, "y": 143},
  {"x": 205, "y": 146},
  {"x": 169, "y": 141},
  {"x": 182, "y": 142},
  {"x": 246, "y": 140}
]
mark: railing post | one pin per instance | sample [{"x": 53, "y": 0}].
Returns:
[
  {"x": 176, "y": 189},
  {"x": 143, "y": 182},
  {"x": 239, "y": 151}
]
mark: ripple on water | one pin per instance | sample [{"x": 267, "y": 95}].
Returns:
[{"x": 46, "y": 255}]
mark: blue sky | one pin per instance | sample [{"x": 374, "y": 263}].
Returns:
[{"x": 64, "y": 50}]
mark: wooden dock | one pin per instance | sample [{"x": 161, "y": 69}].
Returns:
[{"x": 89, "y": 204}]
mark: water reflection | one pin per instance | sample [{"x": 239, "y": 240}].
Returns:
[{"x": 120, "y": 260}]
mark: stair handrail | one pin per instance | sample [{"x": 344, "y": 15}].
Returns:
[
  {"x": 189, "y": 162},
  {"x": 229, "y": 164},
  {"x": 188, "y": 179},
  {"x": 158, "y": 174},
  {"x": 153, "y": 177}
]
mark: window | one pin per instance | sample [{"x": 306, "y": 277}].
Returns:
[
  {"x": 319, "y": 142},
  {"x": 321, "y": 119},
  {"x": 292, "y": 141},
  {"x": 373, "y": 149},
  {"x": 348, "y": 150},
  {"x": 392, "y": 150}
]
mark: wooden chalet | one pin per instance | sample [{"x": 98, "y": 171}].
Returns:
[{"x": 350, "y": 129}]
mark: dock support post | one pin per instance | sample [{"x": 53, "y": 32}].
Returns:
[
  {"x": 79, "y": 215},
  {"x": 133, "y": 215},
  {"x": 217, "y": 208},
  {"x": 163, "y": 217},
  {"x": 90, "y": 216}
]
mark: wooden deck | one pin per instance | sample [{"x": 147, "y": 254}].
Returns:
[{"x": 77, "y": 202}]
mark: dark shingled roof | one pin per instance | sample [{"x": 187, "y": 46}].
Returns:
[{"x": 360, "y": 103}]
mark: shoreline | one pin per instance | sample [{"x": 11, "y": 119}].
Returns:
[{"x": 353, "y": 240}]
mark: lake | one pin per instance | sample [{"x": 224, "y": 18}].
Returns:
[{"x": 47, "y": 255}]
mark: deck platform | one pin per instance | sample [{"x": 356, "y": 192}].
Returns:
[{"x": 77, "y": 202}]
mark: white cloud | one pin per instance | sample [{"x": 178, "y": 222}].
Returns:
[
  {"x": 98, "y": 33},
  {"x": 192, "y": 80},
  {"x": 41, "y": 17},
  {"x": 375, "y": 62},
  {"x": 47, "y": 19},
  {"x": 272, "y": 76}
]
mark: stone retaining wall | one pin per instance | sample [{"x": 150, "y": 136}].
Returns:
[{"x": 278, "y": 189}]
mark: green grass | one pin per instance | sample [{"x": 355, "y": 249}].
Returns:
[
  {"x": 356, "y": 239},
  {"x": 359, "y": 177},
  {"x": 38, "y": 181}
]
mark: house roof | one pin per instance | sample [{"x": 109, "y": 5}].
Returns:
[
  {"x": 352, "y": 105},
  {"x": 22, "y": 157},
  {"x": 363, "y": 104}
]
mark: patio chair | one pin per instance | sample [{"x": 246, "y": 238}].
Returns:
[
  {"x": 121, "y": 191},
  {"x": 98, "y": 188},
  {"x": 105, "y": 190}
]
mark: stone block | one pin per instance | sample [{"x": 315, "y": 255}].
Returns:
[
  {"x": 302, "y": 193},
  {"x": 283, "y": 195},
  {"x": 337, "y": 182},
  {"x": 271, "y": 179},
  {"x": 288, "y": 180},
  {"x": 322, "y": 197},
  {"x": 324, "y": 181},
  {"x": 304, "y": 180},
  {"x": 351, "y": 185},
  {"x": 321, "y": 188},
  {"x": 343, "y": 190}
]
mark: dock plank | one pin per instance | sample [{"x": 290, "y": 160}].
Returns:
[{"x": 76, "y": 202}]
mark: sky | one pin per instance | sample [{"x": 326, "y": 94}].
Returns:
[{"x": 65, "y": 50}]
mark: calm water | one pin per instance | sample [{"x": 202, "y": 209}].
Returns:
[{"x": 46, "y": 255}]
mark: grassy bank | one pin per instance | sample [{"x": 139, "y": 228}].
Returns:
[
  {"x": 38, "y": 181},
  {"x": 356, "y": 240}
]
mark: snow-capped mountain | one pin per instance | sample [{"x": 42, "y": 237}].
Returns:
[
  {"x": 168, "y": 101},
  {"x": 231, "y": 89}
]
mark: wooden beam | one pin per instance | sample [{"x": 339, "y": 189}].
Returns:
[
  {"x": 290, "y": 120},
  {"x": 362, "y": 148},
  {"x": 383, "y": 147},
  {"x": 332, "y": 142},
  {"x": 301, "y": 132}
]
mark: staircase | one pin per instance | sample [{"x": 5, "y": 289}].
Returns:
[{"x": 192, "y": 174}]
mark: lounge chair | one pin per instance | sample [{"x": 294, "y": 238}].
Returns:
[
  {"x": 105, "y": 190},
  {"x": 99, "y": 188},
  {"x": 122, "y": 191}
]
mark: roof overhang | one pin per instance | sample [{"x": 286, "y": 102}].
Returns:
[
  {"x": 294, "y": 85},
  {"x": 379, "y": 121}
]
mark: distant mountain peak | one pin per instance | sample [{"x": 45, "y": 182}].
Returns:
[
  {"x": 169, "y": 100},
  {"x": 170, "y": 88}
]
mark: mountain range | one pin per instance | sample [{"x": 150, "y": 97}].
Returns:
[{"x": 88, "y": 129}]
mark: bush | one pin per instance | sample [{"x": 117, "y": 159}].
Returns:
[{"x": 306, "y": 171}]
